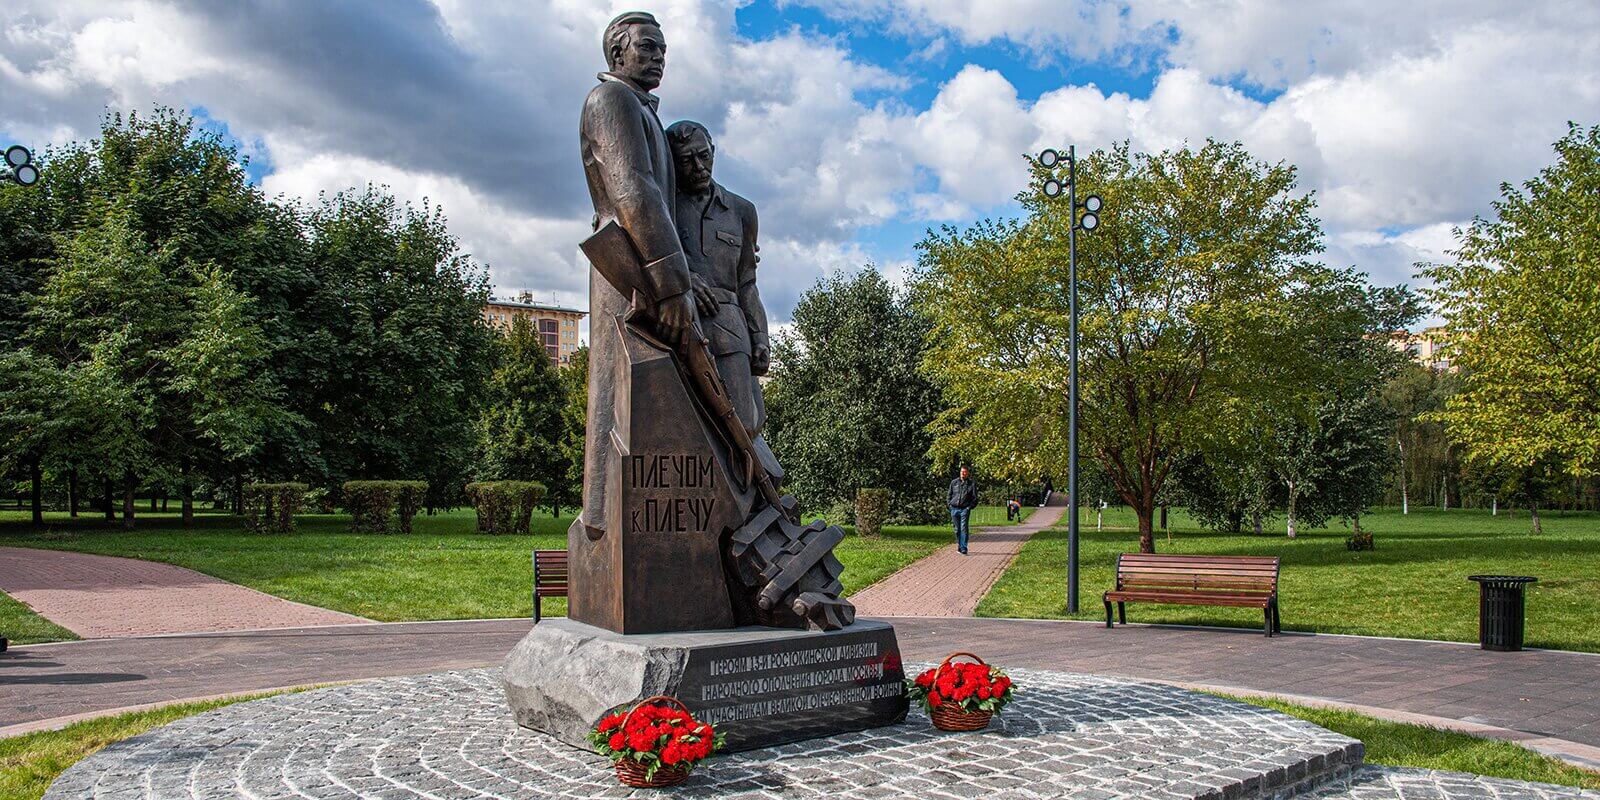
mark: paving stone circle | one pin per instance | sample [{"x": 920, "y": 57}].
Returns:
[{"x": 448, "y": 735}]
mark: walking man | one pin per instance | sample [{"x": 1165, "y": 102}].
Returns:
[{"x": 963, "y": 498}]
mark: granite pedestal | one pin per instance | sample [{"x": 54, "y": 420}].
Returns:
[{"x": 759, "y": 686}]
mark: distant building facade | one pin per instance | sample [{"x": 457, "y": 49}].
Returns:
[
  {"x": 1428, "y": 347},
  {"x": 557, "y": 326}
]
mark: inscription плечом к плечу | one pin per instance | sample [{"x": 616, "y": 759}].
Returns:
[{"x": 675, "y": 513}]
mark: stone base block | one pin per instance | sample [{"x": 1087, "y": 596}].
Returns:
[{"x": 759, "y": 686}]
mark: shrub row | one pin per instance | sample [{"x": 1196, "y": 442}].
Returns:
[
  {"x": 504, "y": 506},
  {"x": 372, "y": 503},
  {"x": 270, "y": 507},
  {"x": 872, "y": 505}
]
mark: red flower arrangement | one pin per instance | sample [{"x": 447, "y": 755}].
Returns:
[
  {"x": 961, "y": 697},
  {"x": 653, "y": 745}
]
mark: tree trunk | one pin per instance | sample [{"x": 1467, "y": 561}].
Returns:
[
  {"x": 128, "y": 483},
  {"x": 1444, "y": 494},
  {"x": 188, "y": 496},
  {"x": 1405, "y": 501},
  {"x": 152, "y": 500},
  {"x": 1099, "y": 517},
  {"x": 36, "y": 492},
  {"x": 1537, "y": 528},
  {"x": 1163, "y": 518},
  {"x": 1256, "y": 519},
  {"x": 1292, "y": 498},
  {"x": 110, "y": 505},
  {"x": 1358, "y": 523},
  {"x": 1147, "y": 533},
  {"x": 163, "y": 501},
  {"x": 238, "y": 493},
  {"x": 1494, "y": 507},
  {"x": 72, "y": 492}
]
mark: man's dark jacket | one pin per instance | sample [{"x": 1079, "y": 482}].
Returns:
[{"x": 963, "y": 493}]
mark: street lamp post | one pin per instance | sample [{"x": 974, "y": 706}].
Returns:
[
  {"x": 19, "y": 167},
  {"x": 1088, "y": 221}
]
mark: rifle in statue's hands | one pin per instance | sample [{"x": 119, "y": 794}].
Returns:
[{"x": 613, "y": 255}]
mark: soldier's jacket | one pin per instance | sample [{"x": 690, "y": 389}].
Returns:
[{"x": 719, "y": 241}]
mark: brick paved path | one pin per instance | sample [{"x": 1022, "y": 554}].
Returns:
[
  {"x": 98, "y": 597},
  {"x": 949, "y": 584}
]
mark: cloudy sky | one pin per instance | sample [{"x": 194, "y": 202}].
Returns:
[{"x": 854, "y": 125}]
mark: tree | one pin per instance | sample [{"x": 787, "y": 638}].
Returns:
[
  {"x": 523, "y": 429},
  {"x": 403, "y": 351},
  {"x": 1198, "y": 299},
  {"x": 575, "y": 415},
  {"x": 847, "y": 406},
  {"x": 1522, "y": 304}
]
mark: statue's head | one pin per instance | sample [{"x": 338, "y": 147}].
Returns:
[
  {"x": 635, "y": 49},
  {"x": 692, "y": 154}
]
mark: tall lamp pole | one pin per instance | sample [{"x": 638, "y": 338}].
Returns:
[
  {"x": 19, "y": 167},
  {"x": 1088, "y": 220}
]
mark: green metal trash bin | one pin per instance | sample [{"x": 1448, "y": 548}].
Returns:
[{"x": 1502, "y": 610}]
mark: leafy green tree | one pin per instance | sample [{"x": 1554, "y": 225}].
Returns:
[
  {"x": 575, "y": 417},
  {"x": 1199, "y": 306},
  {"x": 1522, "y": 303},
  {"x": 848, "y": 408},
  {"x": 155, "y": 354},
  {"x": 406, "y": 356},
  {"x": 523, "y": 430}
]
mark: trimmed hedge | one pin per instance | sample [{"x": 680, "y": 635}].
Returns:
[
  {"x": 872, "y": 505},
  {"x": 504, "y": 506},
  {"x": 372, "y": 503},
  {"x": 270, "y": 507}
]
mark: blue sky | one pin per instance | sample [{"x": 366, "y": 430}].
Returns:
[{"x": 854, "y": 125}]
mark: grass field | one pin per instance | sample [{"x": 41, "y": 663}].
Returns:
[
  {"x": 1398, "y": 744},
  {"x": 1414, "y": 585},
  {"x": 30, "y": 762},
  {"x": 443, "y": 570}
]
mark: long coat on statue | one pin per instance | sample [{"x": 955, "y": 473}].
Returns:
[{"x": 628, "y": 164}]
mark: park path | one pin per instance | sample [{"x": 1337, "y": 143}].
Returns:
[
  {"x": 100, "y": 597},
  {"x": 949, "y": 584}
]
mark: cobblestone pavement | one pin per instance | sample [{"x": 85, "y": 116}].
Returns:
[
  {"x": 103, "y": 596},
  {"x": 947, "y": 583},
  {"x": 448, "y": 735}
]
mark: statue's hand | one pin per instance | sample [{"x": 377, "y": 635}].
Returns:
[
  {"x": 676, "y": 317},
  {"x": 703, "y": 298},
  {"x": 760, "y": 358}
]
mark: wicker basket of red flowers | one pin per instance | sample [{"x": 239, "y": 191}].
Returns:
[
  {"x": 961, "y": 696},
  {"x": 654, "y": 745}
]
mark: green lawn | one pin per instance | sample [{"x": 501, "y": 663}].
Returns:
[
  {"x": 1398, "y": 744},
  {"x": 19, "y": 624},
  {"x": 443, "y": 570},
  {"x": 1414, "y": 585}
]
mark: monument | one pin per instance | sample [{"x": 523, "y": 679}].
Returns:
[{"x": 691, "y": 574}]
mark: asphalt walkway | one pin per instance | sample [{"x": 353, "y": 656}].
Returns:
[
  {"x": 1547, "y": 699},
  {"x": 104, "y": 596},
  {"x": 948, "y": 584}
]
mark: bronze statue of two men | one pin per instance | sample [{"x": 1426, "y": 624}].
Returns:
[{"x": 683, "y": 524}]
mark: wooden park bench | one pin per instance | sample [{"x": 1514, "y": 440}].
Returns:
[
  {"x": 1240, "y": 581},
  {"x": 549, "y": 578}
]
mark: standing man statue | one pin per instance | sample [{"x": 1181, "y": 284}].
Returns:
[
  {"x": 718, "y": 231},
  {"x": 628, "y": 165}
]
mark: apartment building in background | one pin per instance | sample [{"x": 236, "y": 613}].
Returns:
[
  {"x": 1427, "y": 347},
  {"x": 557, "y": 325}
]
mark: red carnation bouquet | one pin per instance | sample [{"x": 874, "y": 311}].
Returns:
[
  {"x": 654, "y": 745},
  {"x": 961, "y": 696}
]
